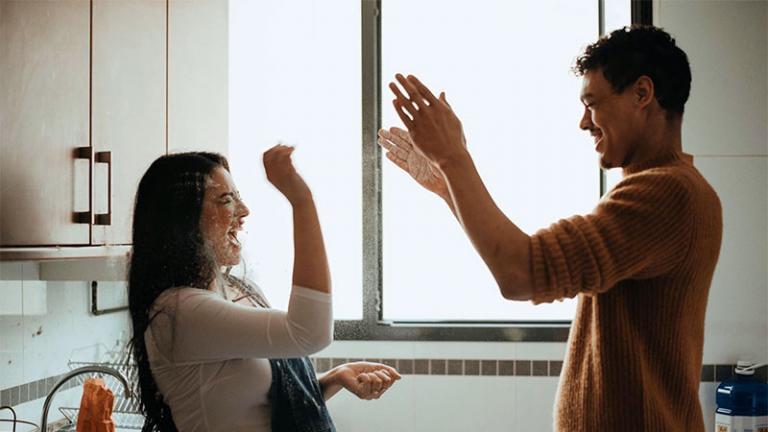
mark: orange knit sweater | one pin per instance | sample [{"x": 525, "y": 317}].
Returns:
[{"x": 641, "y": 264}]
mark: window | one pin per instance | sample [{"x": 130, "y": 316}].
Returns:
[
  {"x": 298, "y": 73},
  {"x": 506, "y": 70},
  {"x": 295, "y": 78}
]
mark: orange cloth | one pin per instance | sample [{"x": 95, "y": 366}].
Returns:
[
  {"x": 641, "y": 264},
  {"x": 95, "y": 413}
]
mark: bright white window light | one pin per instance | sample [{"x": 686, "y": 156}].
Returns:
[
  {"x": 505, "y": 67},
  {"x": 295, "y": 77}
]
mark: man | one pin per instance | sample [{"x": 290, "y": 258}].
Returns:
[{"x": 641, "y": 263}]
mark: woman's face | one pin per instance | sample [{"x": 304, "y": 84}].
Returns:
[{"x": 222, "y": 217}]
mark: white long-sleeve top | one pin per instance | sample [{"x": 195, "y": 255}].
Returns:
[{"x": 209, "y": 356}]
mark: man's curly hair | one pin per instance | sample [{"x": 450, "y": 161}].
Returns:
[{"x": 628, "y": 53}]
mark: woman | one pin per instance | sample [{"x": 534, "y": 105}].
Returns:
[{"x": 211, "y": 354}]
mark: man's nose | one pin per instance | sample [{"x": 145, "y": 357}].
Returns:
[{"x": 586, "y": 120}]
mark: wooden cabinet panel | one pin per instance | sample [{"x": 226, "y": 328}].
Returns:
[
  {"x": 131, "y": 79},
  {"x": 128, "y": 120},
  {"x": 43, "y": 118}
]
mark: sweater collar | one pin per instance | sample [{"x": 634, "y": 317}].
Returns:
[{"x": 666, "y": 158}]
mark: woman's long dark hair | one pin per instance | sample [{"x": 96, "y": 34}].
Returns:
[{"x": 168, "y": 251}]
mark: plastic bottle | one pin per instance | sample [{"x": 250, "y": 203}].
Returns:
[{"x": 742, "y": 401}]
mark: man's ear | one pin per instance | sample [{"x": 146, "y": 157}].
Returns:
[{"x": 644, "y": 91}]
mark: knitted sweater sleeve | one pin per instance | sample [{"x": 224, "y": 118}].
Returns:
[{"x": 639, "y": 230}]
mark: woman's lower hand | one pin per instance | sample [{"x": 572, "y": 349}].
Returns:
[
  {"x": 367, "y": 380},
  {"x": 283, "y": 175}
]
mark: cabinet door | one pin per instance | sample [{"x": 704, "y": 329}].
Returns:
[
  {"x": 198, "y": 75},
  {"x": 43, "y": 117},
  {"x": 128, "y": 120}
]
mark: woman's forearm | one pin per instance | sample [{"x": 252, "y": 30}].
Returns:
[
  {"x": 329, "y": 385},
  {"x": 310, "y": 263}
]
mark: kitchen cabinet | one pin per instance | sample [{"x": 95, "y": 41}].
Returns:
[
  {"x": 93, "y": 91},
  {"x": 128, "y": 111},
  {"x": 44, "y": 112},
  {"x": 83, "y": 115}
]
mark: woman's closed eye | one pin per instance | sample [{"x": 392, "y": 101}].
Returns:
[{"x": 229, "y": 197}]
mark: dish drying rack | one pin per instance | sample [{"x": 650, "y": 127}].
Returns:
[{"x": 126, "y": 413}]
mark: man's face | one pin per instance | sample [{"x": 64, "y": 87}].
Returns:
[{"x": 610, "y": 118}]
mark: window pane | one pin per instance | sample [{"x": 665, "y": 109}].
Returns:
[
  {"x": 618, "y": 13},
  {"x": 295, "y": 77},
  {"x": 505, "y": 67}
]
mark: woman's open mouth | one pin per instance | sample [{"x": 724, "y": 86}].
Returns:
[{"x": 232, "y": 237}]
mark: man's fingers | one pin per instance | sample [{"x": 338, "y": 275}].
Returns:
[
  {"x": 396, "y": 90},
  {"x": 404, "y": 101},
  {"x": 444, "y": 99},
  {"x": 407, "y": 121},
  {"x": 422, "y": 89},
  {"x": 413, "y": 93}
]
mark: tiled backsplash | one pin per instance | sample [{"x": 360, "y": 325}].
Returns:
[
  {"x": 33, "y": 390},
  {"x": 466, "y": 367},
  {"x": 407, "y": 366},
  {"x": 505, "y": 367}
]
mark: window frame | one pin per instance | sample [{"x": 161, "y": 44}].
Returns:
[{"x": 372, "y": 326}]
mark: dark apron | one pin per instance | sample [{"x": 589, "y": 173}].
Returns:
[{"x": 296, "y": 397}]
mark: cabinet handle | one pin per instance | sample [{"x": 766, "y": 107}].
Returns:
[
  {"x": 105, "y": 218},
  {"x": 83, "y": 217}
]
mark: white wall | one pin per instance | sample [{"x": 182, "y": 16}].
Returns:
[
  {"x": 450, "y": 403},
  {"x": 54, "y": 327},
  {"x": 459, "y": 403},
  {"x": 725, "y": 128}
]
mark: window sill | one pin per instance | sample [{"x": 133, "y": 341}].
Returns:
[{"x": 554, "y": 331}]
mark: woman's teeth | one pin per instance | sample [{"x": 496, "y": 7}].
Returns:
[{"x": 232, "y": 235}]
